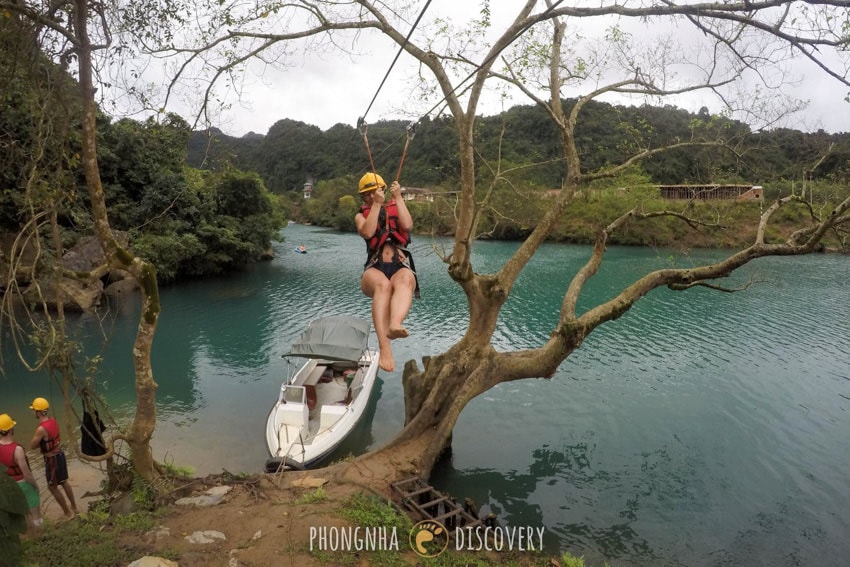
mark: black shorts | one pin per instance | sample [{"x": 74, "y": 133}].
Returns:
[
  {"x": 56, "y": 468},
  {"x": 389, "y": 269}
]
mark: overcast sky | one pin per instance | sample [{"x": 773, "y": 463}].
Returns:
[{"x": 326, "y": 90}]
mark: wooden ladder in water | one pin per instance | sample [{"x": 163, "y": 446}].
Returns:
[{"x": 424, "y": 502}]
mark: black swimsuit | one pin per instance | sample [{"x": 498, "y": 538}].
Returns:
[{"x": 389, "y": 269}]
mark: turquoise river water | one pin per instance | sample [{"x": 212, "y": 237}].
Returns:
[{"x": 701, "y": 428}]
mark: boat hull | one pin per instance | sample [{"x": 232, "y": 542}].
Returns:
[{"x": 318, "y": 408}]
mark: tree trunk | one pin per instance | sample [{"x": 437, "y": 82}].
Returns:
[
  {"x": 144, "y": 421},
  {"x": 433, "y": 399}
]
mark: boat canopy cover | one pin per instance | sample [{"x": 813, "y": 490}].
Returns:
[{"x": 338, "y": 337}]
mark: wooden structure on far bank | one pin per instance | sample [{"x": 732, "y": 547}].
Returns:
[
  {"x": 705, "y": 192},
  {"x": 709, "y": 192}
]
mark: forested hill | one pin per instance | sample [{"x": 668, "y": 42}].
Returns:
[{"x": 292, "y": 152}]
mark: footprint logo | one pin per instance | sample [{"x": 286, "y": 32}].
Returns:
[{"x": 429, "y": 538}]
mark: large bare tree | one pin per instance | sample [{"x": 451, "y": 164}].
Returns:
[{"x": 546, "y": 52}]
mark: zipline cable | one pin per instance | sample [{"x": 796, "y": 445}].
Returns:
[
  {"x": 361, "y": 121},
  {"x": 400, "y": 49}
]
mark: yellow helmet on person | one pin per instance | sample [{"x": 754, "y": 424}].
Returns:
[
  {"x": 39, "y": 404},
  {"x": 6, "y": 422},
  {"x": 370, "y": 182}
]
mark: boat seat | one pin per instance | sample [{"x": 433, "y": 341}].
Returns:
[
  {"x": 315, "y": 375},
  {"x": 330, "y": 416},
  {"x": 311, "y": 397}
]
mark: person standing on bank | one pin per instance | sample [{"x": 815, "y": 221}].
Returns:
[
  {"x": 14, "y": 457},
  {"x": 389, "y": 277},
  {"x": 46, "y": 438}
]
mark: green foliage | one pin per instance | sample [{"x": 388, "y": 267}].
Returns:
[
  {"x": 187, "y": 223},
  {"x": 293, "y": 152},
  {"x": 13, "y": 523},
  {"x": 38, "y": 137},
  {"x": 345, "y": 212},
  {"x": 319, "y": 495},
  {"x": 91, "y": 540},
  {"x": 572, "y": 561},
  {"x": 436, "y": 218},
  {"x": 144, "y": 495},
  {"x": 568, "y": 560},
  {"x": 332, "y": 202},
  {"x": 169, "y": 252},
  {"x": 186, "y": 472}
]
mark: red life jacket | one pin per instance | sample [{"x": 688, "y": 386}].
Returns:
[
  {"x": 7, "y": 457},
  {"x": 51, "y": 444},
  {"x": 387, "y": 230}
]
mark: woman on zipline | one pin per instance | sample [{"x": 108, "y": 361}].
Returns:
[{"x": 389, "y": 277}]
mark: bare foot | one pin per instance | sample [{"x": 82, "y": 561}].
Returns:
[
  {"x": 397, "y": 333},
  {"x": 385, "y": 361}
]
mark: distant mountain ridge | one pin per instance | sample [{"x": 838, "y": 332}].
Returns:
[{"x": 293, "y": 152}]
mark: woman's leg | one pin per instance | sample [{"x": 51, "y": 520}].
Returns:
[
  {"x": 376, "y": 285},
  {"x": 403, "y": 284}
]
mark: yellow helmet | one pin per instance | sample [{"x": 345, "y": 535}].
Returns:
[
  {"x": 371, "y": 181},
  {"x": 6, "y": 422},
  {"x": 39, "y": 404}
]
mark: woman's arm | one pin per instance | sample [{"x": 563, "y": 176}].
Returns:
[
  {"x": 366, "y": 226},
  {"x": 405, "y": 221}
]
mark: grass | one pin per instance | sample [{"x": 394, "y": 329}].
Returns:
[
  {"x": 90, "y": 540},
  {"x": 365, "y": 510},
  {"x": 315, "y": 497},
  {"x": 97, "y": 539}
]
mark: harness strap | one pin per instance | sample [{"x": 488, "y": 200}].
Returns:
[{"x": 407, "y": 263}]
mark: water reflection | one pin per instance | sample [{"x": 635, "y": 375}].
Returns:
[
  {"x": 698, "y": 429},
  {"x": 527, "y": 499}
]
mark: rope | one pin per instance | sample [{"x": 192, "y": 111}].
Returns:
[{"x": 411, "y": 131}]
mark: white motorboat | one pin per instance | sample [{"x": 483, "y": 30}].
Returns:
[{"x": 322, "y": 402}]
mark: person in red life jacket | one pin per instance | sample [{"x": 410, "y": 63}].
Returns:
[
  {"x": 14, "y": 457},
  {"x": 46, "y": 438},
  {"x": 389, "y": 277}
]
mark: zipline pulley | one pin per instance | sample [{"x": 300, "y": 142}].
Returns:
[{"x": 363, "y": 128}]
